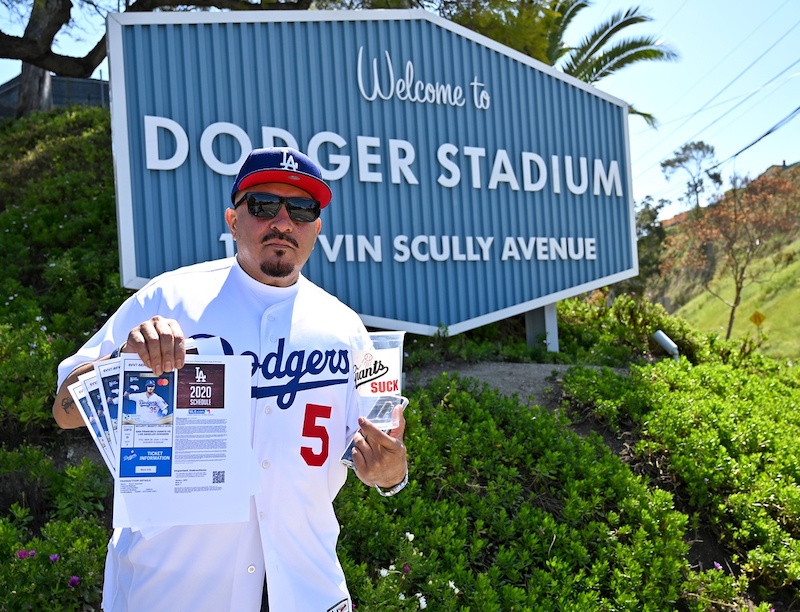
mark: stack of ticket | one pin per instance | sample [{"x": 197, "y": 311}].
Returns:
[{"x": 178, "y": 444}]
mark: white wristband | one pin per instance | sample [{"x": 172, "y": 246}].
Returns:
[{"x": 395, "y": 489}]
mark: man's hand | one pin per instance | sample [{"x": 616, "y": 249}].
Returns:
[
  {"x": 159, "y": 343},
  {"x": 380, "y": 458}
]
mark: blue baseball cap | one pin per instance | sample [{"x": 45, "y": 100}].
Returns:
[
  {"x": 150, "y": 383},
  {"x": 282, "y": 165}
]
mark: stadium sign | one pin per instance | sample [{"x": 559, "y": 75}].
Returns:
[{"x": 471, "y": 183}]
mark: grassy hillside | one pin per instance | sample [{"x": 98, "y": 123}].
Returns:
[{"x": 776, "y": 298}]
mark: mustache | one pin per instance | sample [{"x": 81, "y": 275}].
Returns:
[{"x": 280, "y": 236}]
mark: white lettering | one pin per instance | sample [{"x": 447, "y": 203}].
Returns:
[
  {"x": 475, "y": 154},
  {"x": 443, "y": 155},
  {"x": 527, "y": 247},
  {"x": 367, "y": 159},
  {"x": 442, "y": 248},
  {"x": 408, "y": 88},
  {"x": 376, "y": 90},
  {"x": 207, "y": 150},
  {"x": 548, "y": 249},
  {"x": 608, "y": 180},
  {"x": 152, "y": 158},
  {"x": 341, "y": 163},
  {"x": 555, "y": 173},
  {"x": 509, "y": 250},
  {"x": 329, "y": 150},
  {"x": 331, "y": 250},
  {"x": 364, "y": 247},
  {"x": 402, "y": 252},
  {"x": 480, "y": 98},
  {"x": 356, "y": 248},
  {"x": 416, "y": 248},
  {"x": 527, "y": 174},
  {"x": 541, "y": 248},
  {"x": 401, "y": 164},
  {"x": 570, "y": 175},
  {"x": 485, "y": 244},
  {"x": 227, "y": 240},
  {"x": 502, "y": 171}
]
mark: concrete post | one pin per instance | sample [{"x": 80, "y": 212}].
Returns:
[{"x": 542, "y": 322}]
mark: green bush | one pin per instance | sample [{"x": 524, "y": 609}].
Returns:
[
  {"x": 508, "y": 510},
  {"x": 58, "y": 253},
  {"x": 60, "y": 570},
  {"x": 731, "y": 437},
  {"x": 51, "y": 542}
]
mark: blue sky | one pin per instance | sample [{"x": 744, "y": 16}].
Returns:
[{"x": 738, "y": 76}]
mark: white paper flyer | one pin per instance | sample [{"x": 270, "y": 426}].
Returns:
[{"x": 185, "y": 453}]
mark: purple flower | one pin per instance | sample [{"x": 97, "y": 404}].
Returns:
[
  {"x": 31, "y": 553},
  {"x": 406, "y": 568},
  {"x": 22, "y": 554},
  {"x": 54, "y": 557},
  {"x": 717, "y": 566},
  {"x": 73, "y": 581}
]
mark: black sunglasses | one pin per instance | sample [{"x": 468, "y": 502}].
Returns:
[{"x": 266, "y": 206}]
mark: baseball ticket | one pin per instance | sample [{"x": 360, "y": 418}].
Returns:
[{"x": 184, "y": 455}]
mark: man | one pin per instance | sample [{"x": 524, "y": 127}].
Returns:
[
  {"x": 303, "y": 407},
  {"x": 150, "y": 407}
]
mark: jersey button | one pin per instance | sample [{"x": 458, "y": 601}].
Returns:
[
  {"x": 265, "y": 464},
  {"x": 261, "y": 515},
  {"x": 251, "y": 569},
  {"x": 267, "y": 410},
  {"x": 271, "y": 317}
]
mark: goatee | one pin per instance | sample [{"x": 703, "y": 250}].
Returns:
[{"x": 277, "y": 269}]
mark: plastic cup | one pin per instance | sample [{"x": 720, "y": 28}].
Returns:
[
  {"x": 382, "y": 410},
  {"x": 378, "y": 370},
  {"x": 378, "y": 367}
]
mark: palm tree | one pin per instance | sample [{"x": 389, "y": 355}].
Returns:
[
  {"x": 538, "y": 28},
  {"x": 597, "y": 55}
]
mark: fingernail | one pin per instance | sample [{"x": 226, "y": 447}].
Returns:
[{"x": 167, "y": 366}]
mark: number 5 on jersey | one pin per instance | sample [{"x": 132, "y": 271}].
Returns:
[{"x": 313, "y": 429}]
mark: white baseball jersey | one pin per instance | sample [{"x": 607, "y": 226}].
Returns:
[
  {"x": 304, "y": 410},
  {"x": 149, "y": 408}
]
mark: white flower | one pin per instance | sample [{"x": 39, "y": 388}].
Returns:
[
  {"x": 384, "y": 572},
  {"x": 391, "y": 567},
  {"x": 402, "y": 597},
  {"x": 454, "y": 587},
  {"x": 410, "y": 536},
  {"x": 422, "y": 603}
]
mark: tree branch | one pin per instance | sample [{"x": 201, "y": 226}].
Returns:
[{"x": 35, "y": 45}]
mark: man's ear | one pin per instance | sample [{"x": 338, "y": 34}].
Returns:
[{"x": 230, "y": 219}]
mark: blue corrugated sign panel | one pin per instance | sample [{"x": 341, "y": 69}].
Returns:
[{"x": 470, "y": 182}]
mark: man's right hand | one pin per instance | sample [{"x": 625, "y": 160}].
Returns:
[{"x": 159, "y": 343}]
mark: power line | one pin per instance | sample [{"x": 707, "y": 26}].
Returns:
[
  {"x": 715, "y": 96},
  {"x": 724, "y": 102},
  {"x": 783, "y": 122},
  {"x": 738, "y": 76},
  {"x": 730, "y": 110},
  {"x": 749, "y": 109},
  {"x": 780, "y": 124},
  {"x": 739, "y": 43},
  {"x": 688, "y": 140}
]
